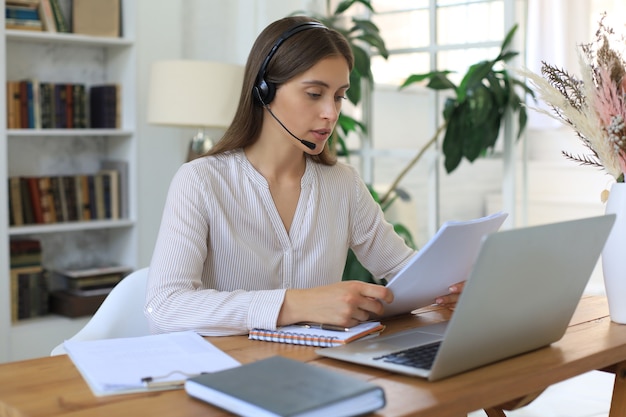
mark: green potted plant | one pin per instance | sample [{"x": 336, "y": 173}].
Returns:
[{"x": 474, "y": 115}]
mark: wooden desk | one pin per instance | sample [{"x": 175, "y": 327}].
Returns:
[{"x": 52, "y": 386}]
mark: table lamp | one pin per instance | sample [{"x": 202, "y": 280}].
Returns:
[{"x": 198, "y": 94}]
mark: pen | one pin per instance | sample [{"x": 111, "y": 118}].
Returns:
[
  {"x": 323, "y": 326},
  {"x": 151, "y": 382},
  {"x": 164, "y": 384}
]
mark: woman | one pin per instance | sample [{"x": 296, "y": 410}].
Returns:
[{"x": 255, "y": 234}]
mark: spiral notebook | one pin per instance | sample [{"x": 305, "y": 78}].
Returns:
[{"x": 301, "y": 335}]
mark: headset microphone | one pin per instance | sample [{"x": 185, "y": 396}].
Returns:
[{"x": 306, "y": 143}]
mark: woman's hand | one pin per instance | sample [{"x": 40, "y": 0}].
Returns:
[
  {"x": 345, "y": 303},
  {"x": 451, "y": 299}
]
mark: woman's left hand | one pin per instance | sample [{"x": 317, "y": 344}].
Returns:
[{"x": 451, "y": 299}]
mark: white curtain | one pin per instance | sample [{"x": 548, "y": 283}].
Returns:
[{"x": 555, "y": 29}]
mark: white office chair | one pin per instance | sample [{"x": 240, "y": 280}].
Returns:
[{"x": 120, "y": 315}]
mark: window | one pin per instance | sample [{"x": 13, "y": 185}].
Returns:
[{"x": 422, "y": 35}]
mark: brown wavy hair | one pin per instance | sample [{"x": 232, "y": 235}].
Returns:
[{"x": 296, "y": 55}]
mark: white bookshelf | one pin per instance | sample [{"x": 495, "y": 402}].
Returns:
[{"x": 65, "y": 58}]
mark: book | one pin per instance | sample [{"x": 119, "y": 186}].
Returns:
[
  {"x": 69, "y": 106},
  {"x": 119, "y": 187},
  {"x": 80, "y": 106},
  {"x": 47, "y": 200},
  {"x": 15, "y": 198},
  {"x": 82, "y": 197},
  {"x": 111, "y": 193},
  {"x": 104, "y": 105},
  {"x": 96, "y": 271},
  {"x": 98, "y": 192},
  {"x": 68, "y": 197},
  {"x": 24, "y": 3},
  {"x": 35, "y": 104},
  {"x": 27, "y": 204},
  {"x": 35, "y": 296},
  {"x": 23, "y": 24},
  {"x": 282, "y": 387},
  {"x": 91, "y": 192},
  {"x": 46, "y": 108},
  {"x": 59, "y": 100},
  {"x": 13, "y": 99},
  {"x": 35, "y": 199},
  {"x": 57, "y": 199},
  {"x": 47, "y": 16},
  {"x": 96, "y": 17},
  {"x": 23, "y": 105},
  {"x": 20, "y": 12},
  {"x": 59, "y": 17},
  {"x": 311, "y": 335}
]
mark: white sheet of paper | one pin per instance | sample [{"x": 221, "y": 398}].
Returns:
[
  {"x": 446, "y": 259},
  {"x": 115, "y": 366}
]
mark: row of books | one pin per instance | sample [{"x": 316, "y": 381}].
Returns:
[
  {"x": 32, "y": 104},
  {"x": 29, "y": 289},
  {"x": 65, "y": 198},
  {"x": 29, "y": 293},
  {"x": 37, "y": 15}
]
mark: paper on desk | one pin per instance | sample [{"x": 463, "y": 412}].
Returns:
[{"x": 116, "y": 366}]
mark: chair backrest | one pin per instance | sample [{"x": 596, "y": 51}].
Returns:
[{"x": 121, "y": 312}]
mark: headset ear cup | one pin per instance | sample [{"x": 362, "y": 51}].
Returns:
[
  {"x": 256, "y": 94},
  {"x": 264, "y": 92},
  {"x": 270, "y": 92}
]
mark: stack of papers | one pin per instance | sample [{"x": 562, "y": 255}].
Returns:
[{"x": 139, "y": 364}]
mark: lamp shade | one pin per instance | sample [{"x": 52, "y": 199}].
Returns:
[{"x": 194, "y": 93}]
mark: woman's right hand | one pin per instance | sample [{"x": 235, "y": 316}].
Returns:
[{"x": 346, "y": 303}]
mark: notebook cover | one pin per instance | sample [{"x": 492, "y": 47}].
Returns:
[
  {"x": 299, "y": 335},
  {"x": 283, "y": 387}
]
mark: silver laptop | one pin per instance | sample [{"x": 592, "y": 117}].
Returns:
[{"x": 520, "y": 296}]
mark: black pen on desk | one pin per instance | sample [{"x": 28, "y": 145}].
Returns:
[{"x": 323, "y": 326}]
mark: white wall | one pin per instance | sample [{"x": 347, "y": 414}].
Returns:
[{"x": 186, "y": 29}]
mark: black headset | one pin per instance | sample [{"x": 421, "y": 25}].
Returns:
[{"x": 264, "y": 91}]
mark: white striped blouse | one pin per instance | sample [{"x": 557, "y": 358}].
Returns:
[{"x": 223, "y": 258}]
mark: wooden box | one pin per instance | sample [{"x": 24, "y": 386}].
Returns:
[{"x": 70, "y": 305}]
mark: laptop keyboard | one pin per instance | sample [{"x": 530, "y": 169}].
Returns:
[{"x": 417, "y": 357}]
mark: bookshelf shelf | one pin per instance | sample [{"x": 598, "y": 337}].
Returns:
[
  {"x": 70, "y": 227},
  {"x": 65, "y": 38},
  {"x": 69, "y": 133},
  {"x": 66, "y": 58}
]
